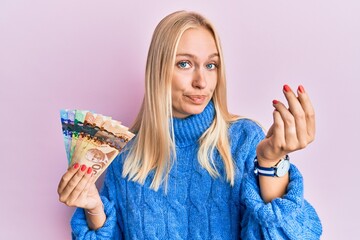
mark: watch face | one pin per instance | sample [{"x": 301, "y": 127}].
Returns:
[{"x": 282, "y": 167}]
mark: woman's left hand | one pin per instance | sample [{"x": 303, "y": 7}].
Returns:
[{"x": 293, "y": 128}]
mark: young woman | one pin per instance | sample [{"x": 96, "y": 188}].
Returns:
[{"x": 195, "y": 171}]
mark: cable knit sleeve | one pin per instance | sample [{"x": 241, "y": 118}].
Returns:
[
  {"x": 111, "y": 228},
  {"x": 289, "y": 217}
]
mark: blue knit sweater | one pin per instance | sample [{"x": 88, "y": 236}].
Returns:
[{"x": 198, "y": 206}]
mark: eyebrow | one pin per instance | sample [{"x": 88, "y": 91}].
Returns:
[{"x": 194, "y": 57}]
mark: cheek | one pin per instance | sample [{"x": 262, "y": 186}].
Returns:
[
  {"x": 175, "y": 91},
  {"x": 178, "y": 82},
  {"x": 212, "y": 82}
]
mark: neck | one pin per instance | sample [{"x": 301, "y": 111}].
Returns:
[{"x": 189, "y": 130}]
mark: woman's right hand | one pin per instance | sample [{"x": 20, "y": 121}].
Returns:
[{"x": 77, "y": 188}]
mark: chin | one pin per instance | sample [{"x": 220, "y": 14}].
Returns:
[{"x": 196, "y": 109}]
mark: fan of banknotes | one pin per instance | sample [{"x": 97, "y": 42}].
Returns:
[{"x": 92, "y": 139}]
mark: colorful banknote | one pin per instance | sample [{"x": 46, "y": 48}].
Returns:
[{"x": 92, "y": 139}]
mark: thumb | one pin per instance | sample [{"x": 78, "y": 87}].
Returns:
[{"x": 270, "y": 131}]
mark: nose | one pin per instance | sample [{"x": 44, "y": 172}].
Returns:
[{"x": 199, "y": 80}]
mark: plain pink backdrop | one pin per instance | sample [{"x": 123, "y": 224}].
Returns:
[{"x": 91, "y": 55}]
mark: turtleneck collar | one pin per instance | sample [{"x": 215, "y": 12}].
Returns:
[{"x": 188, "y": 130}]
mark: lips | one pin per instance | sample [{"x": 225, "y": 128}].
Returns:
[{"x": 196, "y": 99}]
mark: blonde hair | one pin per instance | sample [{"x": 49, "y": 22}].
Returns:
[{"x": 154, "y": 147}]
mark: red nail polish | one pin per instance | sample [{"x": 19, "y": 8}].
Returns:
[
  {"x": 83, "y": 167},
  {"x": 286, "y": 88},
  {"x": 89, "y": 170},
  {"x": 301, "y": 89},
  {"x": 275, "y": 101},
  {"x": 76, "y": 166}
]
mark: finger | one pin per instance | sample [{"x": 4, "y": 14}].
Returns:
[
  {"x": 296, "y": 109},
  {"x": 278, "y": 135},
  {"x": 72, "y": 183},
  {"x": 309, "y": 112},
  {"x": 270, "y": 131},
  {"x": 290, "y": 134},
  {"x": 67, "y": 177},
  {"x": 90, "y": 182},
  {"x": 293, "y": 101},
  {"x": 80, "y": 187}
]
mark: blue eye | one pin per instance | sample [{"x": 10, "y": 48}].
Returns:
[
  {"x": 211, "y": 66},
  {"x": 183, "y": 64}
]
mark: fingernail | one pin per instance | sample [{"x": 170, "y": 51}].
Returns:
[
  {"x": 286, "y": 88},
  {"x": 275, "y": 101},
  {"x": 89, "y": 170},
  {"x": 301, "y": 89},
  {"x": 83, "y": 167},
  {"x": 76, "y": 166}
]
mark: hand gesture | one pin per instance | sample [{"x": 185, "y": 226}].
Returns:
[
  {"x": 293, "y": 127},
  {"x": 77, "y": 188}
]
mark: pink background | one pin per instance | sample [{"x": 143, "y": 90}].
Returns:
[{"x": 91, "y": 55}]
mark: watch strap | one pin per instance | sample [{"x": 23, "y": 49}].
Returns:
[{"x": 267, "y": 171}]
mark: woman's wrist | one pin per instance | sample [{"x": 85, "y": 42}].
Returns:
[
  {"x": 95, "y": 217},
  {"x": 97, "y": 210},
  {"x": 267, "y": 163}
]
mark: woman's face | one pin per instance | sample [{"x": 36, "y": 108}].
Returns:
[{"x": 195, "y": 73}]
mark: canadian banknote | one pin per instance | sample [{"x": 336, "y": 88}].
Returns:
[{"x": 92, "y": 139}]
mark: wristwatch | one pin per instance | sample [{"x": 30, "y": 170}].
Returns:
[{"x": 279, "y": 170}]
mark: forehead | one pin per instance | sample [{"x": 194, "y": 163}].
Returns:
[{"x": 197, "y": 41}]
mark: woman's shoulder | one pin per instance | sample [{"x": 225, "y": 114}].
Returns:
[
  {"x": 245, "y": 131},
  {"x": 246, "y": 126}
]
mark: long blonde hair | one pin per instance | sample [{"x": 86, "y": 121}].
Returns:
[{"x": 154, "y": 147}]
